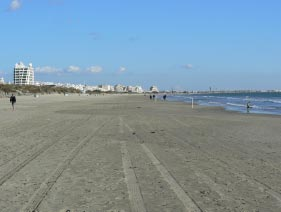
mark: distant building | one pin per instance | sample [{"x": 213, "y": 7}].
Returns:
[
  {"x": 2, "y": 80},
  {"x": 134, "y": 89},
  {"x": 105, "y": 88},
  {"x": 120, "y": 88},
  {"x": 130, "y": 89},
  {"x": 23, "y": 75},
  {"x": 153, "y": 89},
  {"x": 138, "y": 89}
]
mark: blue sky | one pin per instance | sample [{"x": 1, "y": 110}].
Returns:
[{"x": 174, "y": 44}]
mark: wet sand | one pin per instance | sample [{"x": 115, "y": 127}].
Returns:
[{"x": 127, "y": 153}]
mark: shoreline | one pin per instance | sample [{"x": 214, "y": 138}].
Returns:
[{"x": 238, "y": 110}]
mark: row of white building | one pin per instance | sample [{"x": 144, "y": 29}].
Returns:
[
  {"x": 105, "y": 88},
  {"x": 24, "y": 75}
]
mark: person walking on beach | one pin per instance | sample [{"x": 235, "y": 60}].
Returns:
[
  {"x": 13, "y": 101},
  {"x": 248, "y": 106},
  {"x": 164, "y": 97}
]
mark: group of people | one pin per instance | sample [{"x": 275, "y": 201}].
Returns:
[{"x": 153, "y": 97}]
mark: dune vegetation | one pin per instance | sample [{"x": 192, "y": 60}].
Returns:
[{"x": 6, "y": 89}]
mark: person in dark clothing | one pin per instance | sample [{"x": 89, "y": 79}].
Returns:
[
  {"x": 150, "y": 97},
  {"x": 13, "y": 101},
  {"x": 164, "y": 97},
  {"x": 248, "y": 106}
]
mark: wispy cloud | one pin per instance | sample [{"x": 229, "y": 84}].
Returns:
[
  {"x": 122, "y": 69},
  {"x": 95, "y": 69},
  {"x": 15, "y": 5},
  {"x": 73, "y": 69},
  {"x": 48, "y": 70},
  {"x": 133, "y": 38},
  {"x": 95, "y": 35},
  {"x": 188, "y": 66}
]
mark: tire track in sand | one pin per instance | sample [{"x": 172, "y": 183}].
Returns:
[
  {"x": 206, "y": 179},
  {"x": 189, "y": 204},
  {"x": 31, "y": 146},
  {"x": 263, "y": 187},
  {"x": 16, "y": 164},
  {"x": 135, "y": 196},
  {"x": 234, "y": 170},
  {"x": 44, "y": 188}
]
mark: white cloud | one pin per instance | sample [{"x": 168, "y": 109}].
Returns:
[
  {"x": 73, "y": 69},
  {"x": 188, "y": 66},
  {"x": 122, "y": 69},
  {"x": 94, "y": 69},
  {"x": 15, "y": 5},
  {"x": 47, "y": 69}
]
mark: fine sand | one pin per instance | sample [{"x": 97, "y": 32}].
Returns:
[{"x": 122, "y": 153}]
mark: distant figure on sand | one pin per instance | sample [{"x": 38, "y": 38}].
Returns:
[
  {"x": 164, "y": 97},
  {"x": 248, "y": 106},
  {"x": 150, "y": 97},
  {"x": 13, "y": 101},
  {"x": 153, "y": 97}
]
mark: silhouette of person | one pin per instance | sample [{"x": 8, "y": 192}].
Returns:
[
  {"x": 164, "y": 97},
  {"x": 13, "y": 101},
  {"x": 248, "y": 106}
]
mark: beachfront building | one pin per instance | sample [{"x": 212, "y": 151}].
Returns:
[
  {"x": 134, "y": 89},
  {"x": 105, "y": 88},
  {"x": 2, "y": 80},
  {"x": 120, "y": 88},
  {"x": 138, "y": 89},
  {"x": 23, "y": 75},
  {"x": 153, "y": 89},
  {"x": 130, "y": 89}
]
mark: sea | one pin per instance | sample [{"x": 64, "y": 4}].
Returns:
[{"x": 260, "y": 102}]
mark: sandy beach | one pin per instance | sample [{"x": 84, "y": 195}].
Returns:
[{"x": 126, "y": 153}]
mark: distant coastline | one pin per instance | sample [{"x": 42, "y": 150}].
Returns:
[
  {"x": 260, "y": 102},
  {"x": 222, "y": 92}
]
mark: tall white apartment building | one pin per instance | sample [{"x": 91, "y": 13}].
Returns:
[{"x": 23, "y": 75}]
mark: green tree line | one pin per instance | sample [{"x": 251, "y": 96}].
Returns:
[{"x": 32, "y": 89}]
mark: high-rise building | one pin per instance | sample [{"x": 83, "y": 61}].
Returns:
[
  {"x": 23, "y": 75},
  {"x": 2, "y": 80}
]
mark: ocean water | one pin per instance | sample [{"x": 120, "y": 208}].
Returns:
[{"x": 260, "y": 102}]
